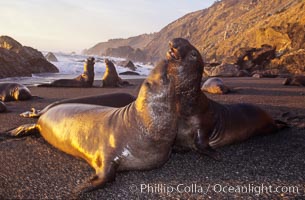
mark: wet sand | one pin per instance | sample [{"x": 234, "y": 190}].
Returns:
[{"x": 32, "y": 169}]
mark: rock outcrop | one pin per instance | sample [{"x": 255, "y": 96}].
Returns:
[
  {"x": 228, "y": 25},
  {"x": 126, "y": 52},
  {"x": 127, "y": 64},
  {"x": 18, "y": 60},
  {"x": 51, "y": 57}
]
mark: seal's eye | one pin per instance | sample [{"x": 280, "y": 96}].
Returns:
[
  {"x": 194, "y": 54},
  {"x": 147, "y": 84}
]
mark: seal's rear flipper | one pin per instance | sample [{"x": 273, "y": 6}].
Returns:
[
  {"x": 31, "y": 114},
  {"x": 21, "y": 131}
]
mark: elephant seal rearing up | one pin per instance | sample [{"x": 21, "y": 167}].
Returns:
[
  {"x": 86, "y": 79},
  {"x": 14, "y": 92},
  {"x": 138, "y": 136},
  {"x": 111, "y": 77}
]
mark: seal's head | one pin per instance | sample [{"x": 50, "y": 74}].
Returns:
[
  {"x": 157, "y": 86},
  {"x": 181, "y": 50},
  {"x": 21, "y": 93},
  {"x": 186, "y": 68}
]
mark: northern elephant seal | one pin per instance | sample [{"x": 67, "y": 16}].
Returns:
[
  {"x": 86, "y": 79},
  {"x": 138, "y": 136},
  {"x": 215, "y": 86},
  {"x": 186, "y": 67},
  {"x": 204, "y": 124},
  {"x": 112, "y": 100},
  {"x": 295, "y": 80},
  {"x": 111, "y": 77},
  {"x": 14, "y": 92}
]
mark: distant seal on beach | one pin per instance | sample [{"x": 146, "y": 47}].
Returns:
[
  {"x": 86, "y": 79},
  {"x": 2, "y": 107},
  {"x": 204, "y": 124},
  {"x": 111, "y": 77},
  {"x": 116, "y": 100},
  {"x": 138, "y": 136},
  {"x": 215, "y": 86},
  {"x": 295, "y": 80},
  {"x": 14, "y": 92}
]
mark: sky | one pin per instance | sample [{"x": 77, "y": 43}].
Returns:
[{"x": 73, "y": 25}]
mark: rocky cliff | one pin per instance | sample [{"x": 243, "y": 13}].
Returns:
[
  {"x": 227, "y": 26},
  {"x": 134, "y": 42},
  {"x": 18, "y": 60}
]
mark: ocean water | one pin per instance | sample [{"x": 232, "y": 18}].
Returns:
[{"x": 71, "y": 65}]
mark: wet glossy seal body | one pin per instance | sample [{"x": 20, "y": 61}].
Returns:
[
  {"x": 86, "y": 79},
  {"x": 116, "y": 100},
  {"x": 14, "y": 92},
  {"x": 138, "y": 136}
]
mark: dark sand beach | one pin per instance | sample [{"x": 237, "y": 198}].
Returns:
[{"x": 32, "y": 169}]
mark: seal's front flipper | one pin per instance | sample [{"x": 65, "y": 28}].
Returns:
[
  {"x": 105, "y": 175},
  {"x": 281, "y": 124},
  {"x": 203, "y": 147},
  {"x": 31, "y": 114}
]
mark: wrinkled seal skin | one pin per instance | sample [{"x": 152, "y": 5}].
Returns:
[
  {"x": 116, "y": 100},
  {"x": 204, "y": 124},
  {"x": 2, "y": 107},
  {"x": 296, "y": 80},
  {"x": 215, "y": 86},
  {"x": 86, "y": 79},
  {"x": 14, "y": 92},
  {"x": 138, "y": 136},
  {"x": 111, "y": 77}
]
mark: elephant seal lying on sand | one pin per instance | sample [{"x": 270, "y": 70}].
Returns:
[
  {"x": 14, "y": 92},
  {"x": 86, "y": 79},
  {"x": 116, "y": 100},
  {"x": 215, "y": 86}
]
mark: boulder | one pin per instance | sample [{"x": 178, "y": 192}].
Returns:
[
  {"x": 18, "y": 60},
  {"x": 51, "y": 57},
  {"x": 128, "y": 64},
  {"x": 223, "y": 70},
  {"x": 292, "y": 62},
  {"x": 126, "y": 52}
]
